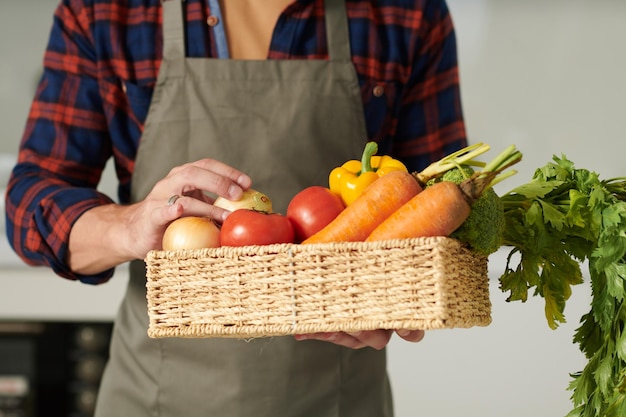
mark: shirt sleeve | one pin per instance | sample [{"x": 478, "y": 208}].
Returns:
[
  {"x": 63, "y": 151},
  {"x": 430, "y": 122}
]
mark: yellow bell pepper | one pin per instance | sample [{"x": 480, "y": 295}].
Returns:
[{"x": 350, "y": 179}]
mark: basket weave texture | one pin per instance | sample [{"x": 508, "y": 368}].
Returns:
[{"x": 286, "y": 289}]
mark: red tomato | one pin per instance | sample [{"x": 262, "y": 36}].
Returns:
[
  {"x": 249, "y": 227},
  {"x": 312, "y": 209}
]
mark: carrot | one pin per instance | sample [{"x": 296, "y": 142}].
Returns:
[
  {"x": 378, "y": 201},
  {"x": 437, "y": 211},
  {"x": 443, "y": 207}
]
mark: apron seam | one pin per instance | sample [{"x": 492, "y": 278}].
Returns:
[
  {"x": 340, "y": 377},
  {"x": 157, "y": 397}
]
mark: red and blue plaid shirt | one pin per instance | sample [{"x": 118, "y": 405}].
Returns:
[{"x": 101, "y": 64}]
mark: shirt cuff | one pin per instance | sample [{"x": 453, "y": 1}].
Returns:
[{"x": 54, "y": 219}]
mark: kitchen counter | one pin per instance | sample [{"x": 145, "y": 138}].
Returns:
[
  {"x": 35, "y": 293},
  {"x": 29, "y": 293}
]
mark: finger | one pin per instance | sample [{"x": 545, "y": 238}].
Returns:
[
  {"x": 338, "y": 338},
  {"x": 208, "y": 175},
  {"x": 411, "y": 335},
  {"x": 225, "y": 170},
  {"x": 191, "y": 206},
  {"x": 376, "y": 339}
]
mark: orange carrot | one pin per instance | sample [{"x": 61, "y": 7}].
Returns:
[
  {"x": 377, "y": 202},
  {"x": 437, "y": 211},
  {"x": 443, "y": 207}
]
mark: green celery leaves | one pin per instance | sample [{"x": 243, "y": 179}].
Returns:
[{"x": 562, "y": 217}]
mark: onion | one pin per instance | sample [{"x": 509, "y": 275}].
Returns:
[
  {"x": 250, "y": 199},
  {"x": 191, "y": 233}
]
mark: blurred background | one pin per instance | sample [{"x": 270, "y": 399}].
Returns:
[{"x": 545, "y": 75}]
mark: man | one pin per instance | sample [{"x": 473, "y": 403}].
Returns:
[{"x": 193, "y": 98}]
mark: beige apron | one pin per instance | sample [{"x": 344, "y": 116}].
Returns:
[{"x": 286, "y": 123}]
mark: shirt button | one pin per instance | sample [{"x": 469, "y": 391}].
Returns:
[
  {"x": 378, "y": 91},
  {"x": 212, "y": 21},
  {"x": 124, "y": 89}
]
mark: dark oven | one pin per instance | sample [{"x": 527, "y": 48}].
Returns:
[{"x": 51, "y": 368}]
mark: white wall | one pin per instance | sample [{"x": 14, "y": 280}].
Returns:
[
  {"x": 548, "y": 76},
  {"x": 545, "y": 75},
  {"x": 24, "y": 27}
]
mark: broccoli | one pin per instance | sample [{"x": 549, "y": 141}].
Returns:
[{"x": 484, "y": 228}]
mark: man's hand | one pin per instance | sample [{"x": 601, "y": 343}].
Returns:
[
  {"x": 376, "y": 339},
  {"x": 108, "y": 235}
]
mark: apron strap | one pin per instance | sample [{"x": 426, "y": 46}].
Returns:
[
  {"x": 337, "y": 33},
  {"x": 174, "y": 36}
]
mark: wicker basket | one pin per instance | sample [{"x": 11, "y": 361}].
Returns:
[{"x": 285, "y": 289}]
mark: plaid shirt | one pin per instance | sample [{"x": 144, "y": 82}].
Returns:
[{"x": 101, "y": 65}]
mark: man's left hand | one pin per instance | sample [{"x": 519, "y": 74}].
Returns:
[{"x": 376, "y": 339}]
